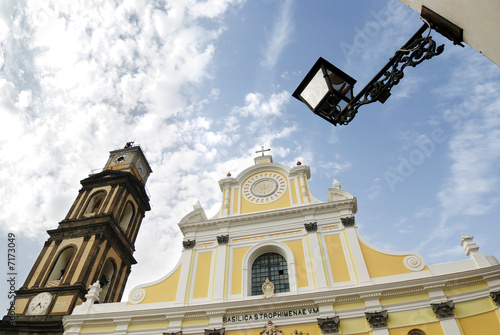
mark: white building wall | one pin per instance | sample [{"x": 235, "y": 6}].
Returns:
[{"x": 479, "y": 19}]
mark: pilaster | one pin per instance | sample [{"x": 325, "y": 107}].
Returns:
[
  {"x": 444, "y": 312},
  {"x": 184, "y": 280},
  {"x": 220, "y": 272},
  {"x": 351, "y": 235},
  {"x": 317, "y": 259}
]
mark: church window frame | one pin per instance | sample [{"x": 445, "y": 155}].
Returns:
[
  {"x": 109, "y": 270},
  {"x": 128, "y": 215},
  {"x": 62, "y": 262},
  {"x": 95, "y": 203},
  {"x": 263, "y": 248}
]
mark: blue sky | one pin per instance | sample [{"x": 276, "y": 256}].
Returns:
[{"x": 201, "y": 85}]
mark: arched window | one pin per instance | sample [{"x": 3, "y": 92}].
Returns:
[
  {"x": 106, "y": 278},
  {"x": 60, "y": 266},
  {"x": 128, "y": 214},
  {"x": 273, "y": 266},
  {"x": 94, "y": 204},
  {"x": 416, "y": 332}
]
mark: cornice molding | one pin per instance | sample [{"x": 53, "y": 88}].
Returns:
[
  {"x": 348, "y": 204},
  {"x": 311, "y": 299}
]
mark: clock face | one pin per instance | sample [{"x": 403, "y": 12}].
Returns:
[
  {"x": 265, "y": 187},
  {"x": 120, "y": 159},
  {"x": 39, "y": 303},
  {"x": 141, "y": 168}
]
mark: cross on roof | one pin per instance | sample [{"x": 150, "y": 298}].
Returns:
[{"x": 262, "y": 151}]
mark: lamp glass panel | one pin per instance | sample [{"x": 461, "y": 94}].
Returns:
[
  {"x": 340, "y": 85},
  {"x": 315, "y": 90}
]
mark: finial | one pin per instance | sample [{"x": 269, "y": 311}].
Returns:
[
  {"x": 229, "y": 174},
  {"x": 299, "y": 163},
  {"x": 470, "y": 247},
  {"x": 129, "y": 144},
  {"x": 336, "y": 183},
  {"x": 466, "y": 238}
]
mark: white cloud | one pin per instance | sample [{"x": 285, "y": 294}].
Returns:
[
  {"x": 472, "y": 177},
  {"x": 280, "y": 36},
  {"x": 80, "y": 78},
  {"x": 375, "y": 189},
  {"x": 256, "y": 106},
  {"x": 474, "y": 151},
  {"x": 335, "y": 168},
  {"x": 211, "y": 9}
]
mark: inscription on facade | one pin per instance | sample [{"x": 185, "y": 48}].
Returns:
[{"x": 270, "y": 315}]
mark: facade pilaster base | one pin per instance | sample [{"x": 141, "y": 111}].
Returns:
[
  {"x": 380, "y": 331},
  {"x": 450, "y": 327}
]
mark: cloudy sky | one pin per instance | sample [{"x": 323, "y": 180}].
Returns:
[{"x": 201, "y": 85}]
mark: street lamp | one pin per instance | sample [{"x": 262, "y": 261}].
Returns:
[{"x": 328, "y": 91}]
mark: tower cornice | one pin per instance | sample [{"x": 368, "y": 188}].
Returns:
[{"x": 114, "y": 177}]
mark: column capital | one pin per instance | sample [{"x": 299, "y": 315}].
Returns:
[
  {"x": 329, "y": 325},
  {"x": 311, "y": 227},
  {"x": 348, "y": 222},
  {"x": 444, "y": 310},
  {"x": 377, "y": 319}
]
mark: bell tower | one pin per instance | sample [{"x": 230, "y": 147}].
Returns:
[{"x": 94, "y": 242}]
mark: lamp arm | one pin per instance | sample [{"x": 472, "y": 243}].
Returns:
[{"x": 414, "y": 52}]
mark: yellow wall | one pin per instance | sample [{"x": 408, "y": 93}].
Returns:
[
  {"x": 348, "y": 306},
  {"x": 354, "y": 326},
  {"x": 41, "y": 265},
  {"x": 403, "y": 299},
  {"x": 474, "y": 307},
  {"x": 428, "y": 328},
  {"x": 238, "y": 255},
  {"x": 482, "y": 324},
  {"x": 236, "y": 194},
  {"x": 86, "y": 252},
  {"x": 337, "y": 258},
  {"x": 20, "y": 305},
  {"x": 466, "y": 289},
  {"x": 283, "y": 202},
  {"x": 202, "y": 278},
  {"x": 380, "y": 264},
  {"x": 158, "y": 325},
  {"x": 403, "y": 319},
  {"x": 165, "y": 290},
  {"x": 300, "y": 262},
  {"x": 62, "y": 304},
  {"x": 98, "y": 330}
]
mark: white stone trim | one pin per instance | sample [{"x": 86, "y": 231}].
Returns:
[
  {"x": 450, "y": 327},
  {"x": 352, "y": 235}
]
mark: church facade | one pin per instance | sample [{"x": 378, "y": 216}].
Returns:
[{"x": 276, "y": 261}]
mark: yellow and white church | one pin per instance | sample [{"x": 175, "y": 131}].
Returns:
[
  {"x": 322, "y": 276},
  {"x": 275, "y": 260}
]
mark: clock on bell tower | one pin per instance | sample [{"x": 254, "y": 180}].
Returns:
[{"x": 95, "y": 241}]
